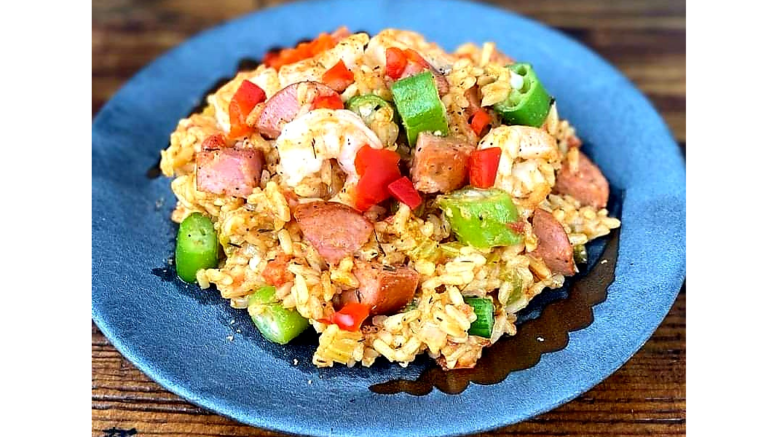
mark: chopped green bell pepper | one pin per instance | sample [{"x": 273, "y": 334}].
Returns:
[
  {"x": 419, "y": 105},
  {"x": 196, "y": 247},
  {"x": 516, "y": 300},
  {"x": 482, "y": 218},
  {"x": 527, "y": 104},
  {"x": 276, "y": 323},
  {"x": 427, "y": 249}
]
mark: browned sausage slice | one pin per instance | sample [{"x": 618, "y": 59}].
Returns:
[
  {"x": 229, "y": 171},
  {"x": 334, "y": 229},
  {"x": 286, "y": 104},
  {"x": 553, "y": 247},
  {"x": 385, "y": 289},
  {"x": 587, "y": 184},
  {"x": 440, "y": 164}
]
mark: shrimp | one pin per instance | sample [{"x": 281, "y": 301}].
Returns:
[
  {"x": 529, "y": 159},
  {"x": 266, "y": 78},
  {"x": 375, "y": 54},
  {"x": 350, "y": 50},
  {"x": 306, "y": 143}
]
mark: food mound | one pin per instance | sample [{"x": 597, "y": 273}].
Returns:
[{"x": 398, "y": 199}]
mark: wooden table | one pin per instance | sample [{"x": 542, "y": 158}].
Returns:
[{"x": 645, "y": 39}]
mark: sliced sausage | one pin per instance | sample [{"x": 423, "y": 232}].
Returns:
[
  {"x": 440, "y": 164},
  {"x": 334, "y": 229},
  {"x": 230, "y": 171},
  {"x": 553, "y": 246},
  {"x": 286, "y": 104},
  {"x": 385, "y": 289},
  {"x": 587, "y": 184}
]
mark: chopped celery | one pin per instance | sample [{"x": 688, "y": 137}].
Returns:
[{"x": 484, "y": 310}]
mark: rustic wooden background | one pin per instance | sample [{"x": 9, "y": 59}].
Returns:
[{"x": 645, "y": 39}]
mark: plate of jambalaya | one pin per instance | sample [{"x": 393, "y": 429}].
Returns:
[{"x": 389, "y": 207}]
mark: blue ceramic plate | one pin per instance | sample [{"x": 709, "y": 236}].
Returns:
[{"x": 195, "y": 345}]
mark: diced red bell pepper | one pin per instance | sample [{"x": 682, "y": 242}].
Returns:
[
  {"x": 282, "y": 57},
  {"x": 483, "y": 165},
  {"x": 243, "y": 102},
  {"x": 396, "y": 61},
  {"x": 328, "y": 102},
  {"x": 416, "y": 64},
  {"x": 366, "y": 156},
  {"x": 480, "y": 120},
  {"x": 377, "y": 168},
  {"x": 272, "y": 58},
  {"x": 403, "y": 190},
  {"x": 414, "y": 56},
  {"x": 338, "y": 77},
  {"x": 372, "y": 187},
  {"x": 324, "y": 41},
  {"x": 404, "y": 63},
  {"x": 350, "y": 317}
]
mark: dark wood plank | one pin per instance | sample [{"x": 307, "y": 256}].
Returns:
[{"x": 643, "y": 38}]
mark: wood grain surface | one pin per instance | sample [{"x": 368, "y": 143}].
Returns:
[{"x": 645, "y": 39}]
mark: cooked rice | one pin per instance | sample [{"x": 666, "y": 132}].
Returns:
[{"x": 255, "y": 230}]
